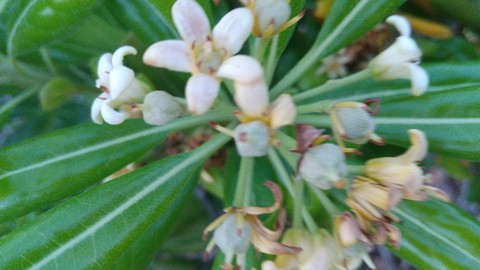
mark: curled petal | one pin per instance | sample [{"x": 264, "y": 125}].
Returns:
[
  {"x": 103, "y": 69},
  {"x": 191, "y": 21},
  {"x": 277, "y": 196},
  {"x": 401, "y": 23},
  {"x": 95, "y": 111},
  {"x": 267, "y": 246},
  {"x": 201, "y": 92},
  {"x": 241, "y": 69},
  {"x": 418, "y": 149},
  {"x": 419, "y": 78},
  {"x": 283, "y": 111},
  {"x": 233, "y": 30},
  {"x": 170, "y": 54},
  {"x": 274, "y": 235},
  {"x": 111, "y": 116},
  {"x": 117, "y": 59},
  {"x": 121, "y": 78},
  {"x": 252, "y": 99}
]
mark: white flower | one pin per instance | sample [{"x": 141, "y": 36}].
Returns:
[
  {"x": 121, "y": 89},
  {"x": 202, "y": 50},
  {"x": 401, "y": 59}
]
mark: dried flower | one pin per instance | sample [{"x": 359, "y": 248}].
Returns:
[
  {"x": 240, "y": 226},
  {"x": 403, "y": 172},
  {"x": 319, "y": 251}
]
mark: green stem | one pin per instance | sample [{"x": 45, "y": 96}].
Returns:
[
  {"x": 332, "y": 85},
  {"x": 244, "y": 187},
  {"x": 48, "y": 60},
  {"x": 14, "y": 102},
  {"x": 298, "y": 203},
  {"x": 287, "y": 182},
  {"x": 316, "y": 120},
  {"x": 320, "y": 106},
  {"x": 260, "y": 46},
  {"x": 272, "y": 57},
  {"x": 356, "y": 169},
  {"x": 325, "y": 201}
]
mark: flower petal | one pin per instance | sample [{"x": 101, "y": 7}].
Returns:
[
  {"x": 252, "y": 99},
  {"x": 170, "y": 54},
  {"x": 117, "y": 58},
  {"x": 95, "y": 111},
  {"x": 241, "y": 69},
  {"x": 233, "y": 30},
  {"x": 419, "y": 78},
  {"x": 418, "y": 149},
  {"x": 121, "y": 78},
  {"x": 103, "y": 69},
  {"x": 277, "y": 196},
  {"x": 191, "y": 21},
  {"x": 160, "y": 108},
  {"x": 401, "y": 23},
  {"x": 201, "y": 92},
  {"x": 283, "y": 111},
  {"x": 110, "y": 115}
]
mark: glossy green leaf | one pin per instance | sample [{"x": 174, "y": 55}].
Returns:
[
  {"x": 143, "y": 19},
  {"x": 46, "y": 169},
  {"x": 438, "y": 235},
  {"x": 346, "y": 21},
  {"x": 43, "y": 21},
  {"x": 56, "y": 93},
  {"x": 102, "y": 224}
]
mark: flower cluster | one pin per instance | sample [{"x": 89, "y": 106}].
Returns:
[{"x": 212, "y": 57}]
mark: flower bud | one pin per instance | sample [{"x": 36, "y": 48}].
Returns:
[
  {"x": 323, "y": 165},
  {"x": 252, "y": 139},
  {"x": 270, "y": 15},
  {"x": 352, "y": 121},
  {"x": 233, "y": 236},
  {"x": 160, "y": 108}
]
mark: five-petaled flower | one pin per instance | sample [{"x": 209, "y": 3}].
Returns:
[
  {"x": 202, "y": 50},
  {"x": 240, "y": 226},
  {"x": 401, "y": 59}
]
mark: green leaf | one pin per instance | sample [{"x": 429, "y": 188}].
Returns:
[
  {"x": 105, "y": 223},
  {"x": 438, "y": 235},
  {"x": 143, "y": 19},
  {"x": 346, "y": 21},
  {"x": 56, "y": 93},
  {"x": 350, "y": 19},
  {"x": 43, "y": 21},
  {"x": 46, "y": 169},
  {"x": 165, "y": 7},
  {"x": 466, "y": 11}
]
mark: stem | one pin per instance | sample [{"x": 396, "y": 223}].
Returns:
[
  {"x": 332, "y": 85},
  {"x": 243, "y": 190},
  {"x": 325, "y": 201},
  {"x": 261, "y": 45},
  {"x": 270, "y": 66},
  {"x": 316, "y": 120},
  {"x": 48, "y": 60},
  {"x": 320, "y": 106},
  {"x": 287, "y": 181},
  {"x": 356, "y": 169},
  {"x": 14, "y": 102},
  {"x": 298, "y": 203}
]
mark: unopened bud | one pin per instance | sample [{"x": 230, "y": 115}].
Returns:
[
  {"x": 252, "y": 139},
  {"x": 160, "y": 108},
  {"x": 323, "y": 165},
  {"x": 233, "y": 235}
]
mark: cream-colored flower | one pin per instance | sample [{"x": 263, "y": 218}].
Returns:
[
  {"x": 124, "y": 96},
  {"x": 319, "y": 251},
  {"x": 334, "y": 66},
  {"x": 251, "y": 96},
  {"x": 240, "y": 226},
  {"x": 401, "y": 59},
  {"x": 271, "y": 16},
  {"x": 403, "y": 172},
  {"x": 120, "y": 89},
  {"x": 202, "y": 50}
]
